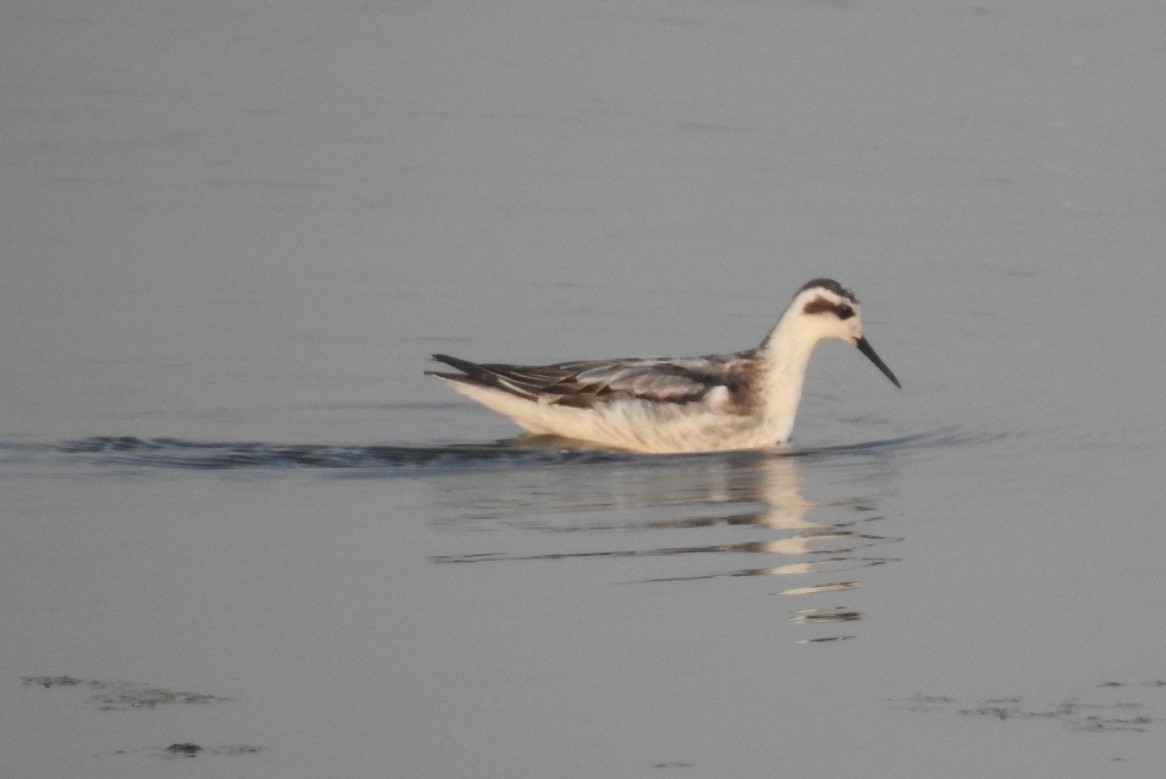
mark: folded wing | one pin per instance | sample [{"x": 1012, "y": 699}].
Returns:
[{"x": 583, "y": 384}]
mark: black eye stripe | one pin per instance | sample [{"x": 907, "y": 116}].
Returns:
[{"x": 822, "y": 306}]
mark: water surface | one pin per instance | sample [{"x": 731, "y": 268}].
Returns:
[{"x": 237, "y": 516}]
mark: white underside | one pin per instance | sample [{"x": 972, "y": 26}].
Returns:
[{"x": 638, "y": 425}]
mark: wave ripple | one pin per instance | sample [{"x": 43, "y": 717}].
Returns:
[{"x": 178, "y": 453}]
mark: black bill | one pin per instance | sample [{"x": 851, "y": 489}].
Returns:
[{"x": 865, "y": 347}]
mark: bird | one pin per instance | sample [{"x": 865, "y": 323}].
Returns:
[{"x": 743, "y": 400}]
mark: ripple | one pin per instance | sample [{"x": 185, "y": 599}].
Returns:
[
  {"x": 184, "y": 454},
  {"x": 197, "y": 455}
]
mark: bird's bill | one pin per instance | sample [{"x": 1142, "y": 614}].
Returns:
[{"x": 865, "y": 347}]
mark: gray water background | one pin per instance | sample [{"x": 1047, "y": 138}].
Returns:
[{"x": 233, "y": 233}]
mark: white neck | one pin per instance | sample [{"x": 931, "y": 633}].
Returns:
[{"x": 786, "y": 353}]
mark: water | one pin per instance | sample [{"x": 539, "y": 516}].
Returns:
[{"x": 236, "y": 515}]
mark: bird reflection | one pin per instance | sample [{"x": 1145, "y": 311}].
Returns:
[{"x": 818, "y": 543}]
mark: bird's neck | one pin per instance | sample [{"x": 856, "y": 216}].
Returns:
[{"x": 785, "y": 355}]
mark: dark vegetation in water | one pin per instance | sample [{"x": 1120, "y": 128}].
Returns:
[
  {"x": 1098, "y": 711},
  {"x": 130, "y": 696},
  {"x": 189, "y": 749},
  {"x": 123, "y": 696},
  {"x": 184, "y": 750}
]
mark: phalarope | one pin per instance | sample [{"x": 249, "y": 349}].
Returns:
[{"x": 719, "y": 402}]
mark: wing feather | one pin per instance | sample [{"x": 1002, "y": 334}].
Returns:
[{"x": 584, "y": 384}]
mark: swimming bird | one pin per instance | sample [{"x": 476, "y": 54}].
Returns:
[{"x": 718, "y": 402}]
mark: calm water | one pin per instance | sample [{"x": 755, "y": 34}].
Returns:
[{"x": 236, "y": 515}]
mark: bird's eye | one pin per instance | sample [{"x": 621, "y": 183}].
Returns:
[{"x": 844, "y": 312}]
